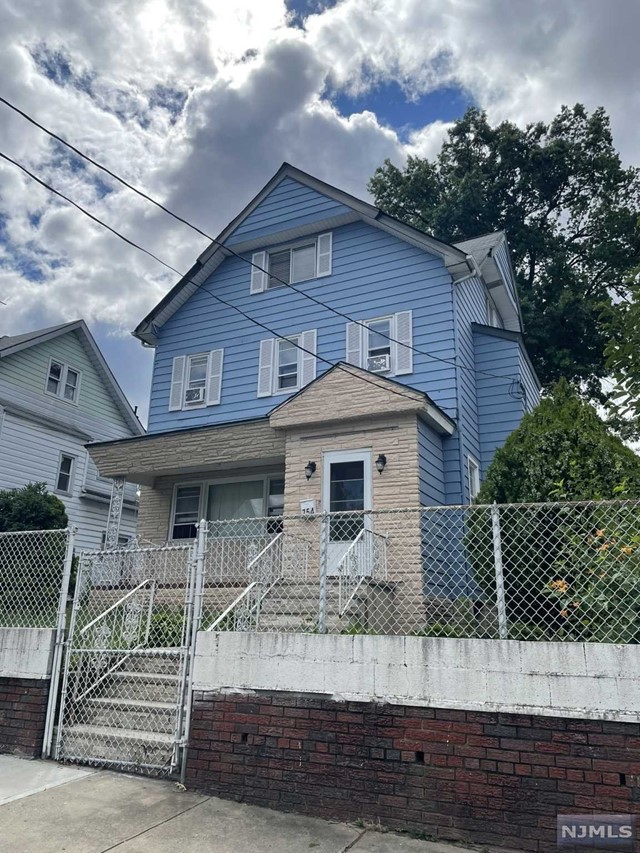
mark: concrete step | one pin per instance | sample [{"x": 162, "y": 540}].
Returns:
[
  {"x": 148, "y": 686},
  {"x": 163, "y": 661},
  {"x": 90, "y": 744},
  {"x": 141, "y": 715}
]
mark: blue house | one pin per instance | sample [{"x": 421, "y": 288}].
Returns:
[{"x": 323, "y": 356}]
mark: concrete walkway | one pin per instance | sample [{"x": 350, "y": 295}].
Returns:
[{"x": 48, "y": 808}]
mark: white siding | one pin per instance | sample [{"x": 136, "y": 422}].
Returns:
[{"x": 30, "y": 452}]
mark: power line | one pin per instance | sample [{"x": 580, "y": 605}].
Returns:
[
  {"x": 235, "y": 254},
  {"x": 271, "y": 331}
]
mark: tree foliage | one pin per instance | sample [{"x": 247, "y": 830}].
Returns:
[
  {"x": 623, "y": 355},
  {"x": 570, "y": 210},
  {"x": 561, "y": 451},
  {"x": 31, "y": 508}
]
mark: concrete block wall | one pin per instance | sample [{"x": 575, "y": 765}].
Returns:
[{"x": 25, "y": 672}]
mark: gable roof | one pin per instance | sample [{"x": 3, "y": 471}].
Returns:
[
  {"x": 379, "y": 396},
  {"x": 456, "y": 260},
  {"x": 481, "y": 247},
  {"x": 11, "y": 344}
]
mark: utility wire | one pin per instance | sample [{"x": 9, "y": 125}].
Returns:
[
  {"x": 271, "y": 331},
  {"x": 235, "y": 254}
]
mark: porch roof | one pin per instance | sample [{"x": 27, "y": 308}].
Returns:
[{"x": 230, "y": 446}]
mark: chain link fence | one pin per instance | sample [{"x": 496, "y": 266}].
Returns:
[
  {"x": 549, "y": 571},
  {"x": 32, "y": 570}
]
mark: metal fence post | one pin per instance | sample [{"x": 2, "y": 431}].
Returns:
[
  {"x": 325, "y": 521},
  {"x": 497, "y": 563},
  {"x": 198, "y": 593},
  {"x": 59, "y": 643}
]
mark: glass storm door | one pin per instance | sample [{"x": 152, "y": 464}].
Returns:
[{"x": 346, "y": 489}]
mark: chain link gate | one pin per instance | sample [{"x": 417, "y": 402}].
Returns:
[{"x": 125, "y": 695}]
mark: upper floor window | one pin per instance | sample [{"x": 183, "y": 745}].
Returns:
[
  {"x": 298, "y": 262},
  {"x": 383, "y": 345},
  {"x": 286, "y": 364},
  {"x": 64, "y": 478},
  {"x": 63, "y": 381},
  {"x": 196, "y": 380}
]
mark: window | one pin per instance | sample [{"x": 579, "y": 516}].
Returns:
[
  {"x": 379, "y": 334},
  {"x": 302, "y": 261},
  {"x": 260, "y": 497},
  {"x": 474, "y": 477},
  {"x": 286, "y": 364},
  {"x": 65, "y": 474},
  {"x": 346, "y": 492},
  {"x": 288, "y": 358},
  {"x": 196, "y": 380},
  {"x": 63, "y": 381},
  {"x": 382, "y": 345},
  {"x": 186, "y": 511},
  {"x": 122, "y": 540}
]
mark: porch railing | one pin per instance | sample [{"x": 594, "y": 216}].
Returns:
[{"x": 365, "y": 558}]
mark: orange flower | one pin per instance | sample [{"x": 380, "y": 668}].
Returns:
[
  {"x": 627, "y": 549},
  {"x": 558, "y": 586},
  {"x": 599, "y": 532},
  {"x": 564, "y": 613},
  {"x": 603, "y": 547},
  {"x": 576, "y": 604}
]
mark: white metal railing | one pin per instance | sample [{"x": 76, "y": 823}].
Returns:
[{"x": 365, "y": 558}]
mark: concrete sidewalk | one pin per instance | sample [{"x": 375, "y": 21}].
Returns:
[{"x": 48, "y": 808}]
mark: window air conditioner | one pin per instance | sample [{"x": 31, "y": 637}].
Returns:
[{"x": 379, "y": 363}]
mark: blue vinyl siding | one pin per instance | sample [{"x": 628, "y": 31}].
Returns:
[
  {"x": 431, "y": 461},
  {"x": 471, "y": 307},
  {"x": 289, "y": 205},
  {"x": 500, "y": 407},
  {"x": 374, "y": 274},
  {"x": 530, "y": 383}
]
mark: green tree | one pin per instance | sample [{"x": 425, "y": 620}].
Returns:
[
  {"x": 569, "y": 569},
  {"x": 570, "y": 210},
  {"x": 623, "y": 357},
  {"x": 31, "y": 508}
]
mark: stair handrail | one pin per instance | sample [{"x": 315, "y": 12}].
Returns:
[
  {"x": 113, "y": 606},
  {"x": 344, "y": 575}
]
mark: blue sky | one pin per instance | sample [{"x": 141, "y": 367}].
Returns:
[{"x": 199, "y": 104}]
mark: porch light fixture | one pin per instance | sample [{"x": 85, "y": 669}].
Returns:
[
  {"x": 381, "y": 461},
  {"x": 309, "y": 469}
]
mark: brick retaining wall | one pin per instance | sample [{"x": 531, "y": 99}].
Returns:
[
  {"x": 23, "y": 710},
  {"x": 482, "y": 777}
]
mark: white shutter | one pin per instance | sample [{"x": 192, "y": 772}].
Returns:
[
  {"x": 265, "y": 368},
  {"x": 308, "y": 369},
  {"x": 354, "y": 344},
  {"x": 177, "y": 383},
  {"x": 258, "y": 277},
  {"x": 214, "y": 377},
  {"x": 404, "y": 341},
  {"x": 324, "y": 250}
]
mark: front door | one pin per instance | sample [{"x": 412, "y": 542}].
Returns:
[{"x": 346, "y": 489}]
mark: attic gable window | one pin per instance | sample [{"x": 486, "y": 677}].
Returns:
[
  {"x": 63, "y": 381},
  {"x": 302, "y": 261}
]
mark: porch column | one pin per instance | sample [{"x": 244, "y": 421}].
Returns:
[{"x": 115, "y": 513}]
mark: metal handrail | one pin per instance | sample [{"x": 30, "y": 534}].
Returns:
[
  {"x": 232, "y": 606},
  {"x": 343, "y": 575},
  {"x": 117, "y": 604},
  {"x": 264, "y": 550}
]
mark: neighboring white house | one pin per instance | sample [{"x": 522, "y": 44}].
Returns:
[{"x": 57, "y": 393}]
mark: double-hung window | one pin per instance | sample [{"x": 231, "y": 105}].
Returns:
[
  {"x": 473, "y": 472},
  {"x": 286, "y": 364},
  {"x": 64, "y": 478},
  {"x": 186, "y": 511},
  {"x": 302, "y": 261},
  {"x": 63, "y": 381},
  {"x": 196, "y": 380},
  {"x": 383, "y": 344}
]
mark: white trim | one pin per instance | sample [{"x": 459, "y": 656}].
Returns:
[
  {"x": 361, "y": 455},
  {"x": 59, "y": 395}
]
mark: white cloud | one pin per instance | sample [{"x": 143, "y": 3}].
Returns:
[{"x": 200, "y": 102}]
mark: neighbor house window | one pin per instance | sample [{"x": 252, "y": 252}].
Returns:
[
  {"x": 307, "y": 259},
  {"x": 122, "y": 540},
  {"x": 474, "y": 477},
  {"x": 63, "y": 381},
  {"x": 65, "y": 474}
]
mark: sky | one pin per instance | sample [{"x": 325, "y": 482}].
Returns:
[{"x": 198, "y": 102}]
